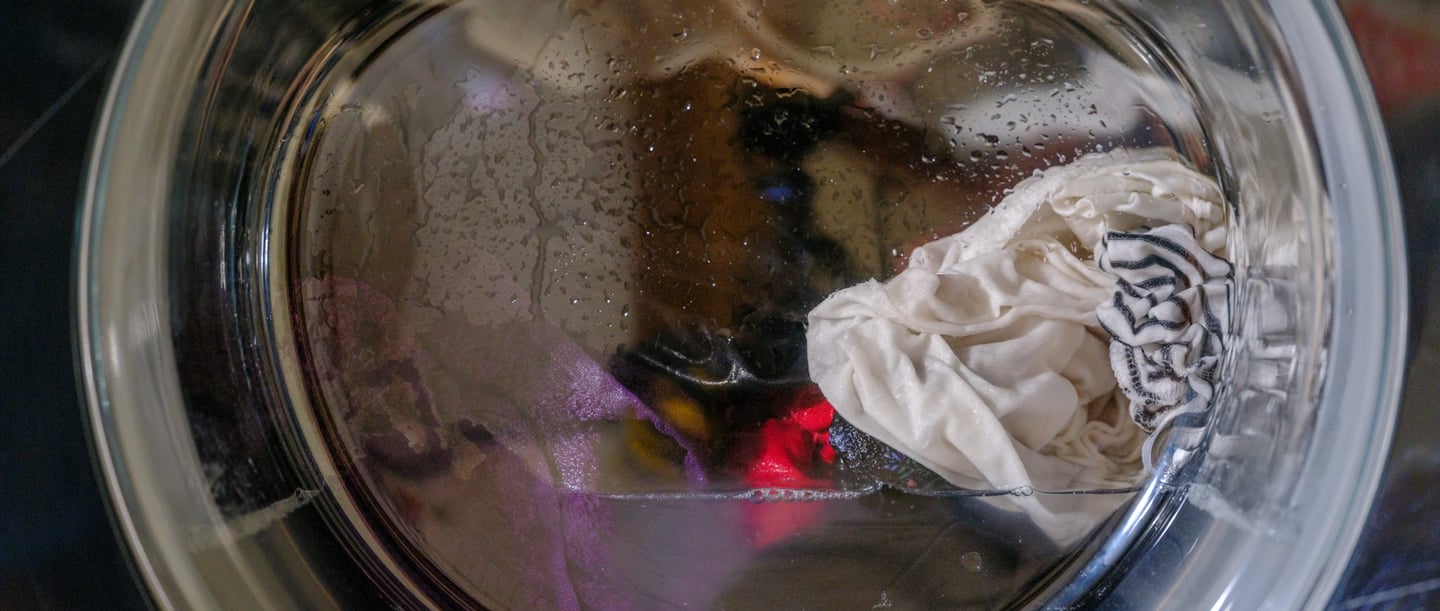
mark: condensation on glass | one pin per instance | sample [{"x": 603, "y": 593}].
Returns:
[{"x": 550, "y": 267}]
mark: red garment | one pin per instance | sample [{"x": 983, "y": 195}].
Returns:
[{"x": 790, "y": 451}]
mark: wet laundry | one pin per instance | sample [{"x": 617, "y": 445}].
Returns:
[{"x": 985, "y": 360}]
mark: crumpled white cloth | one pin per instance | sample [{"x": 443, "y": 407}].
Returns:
[
  {"x": 1079, "y": 202},
  {"x": 1167, "y": 316},
  {"x": 984, "y": 360}
]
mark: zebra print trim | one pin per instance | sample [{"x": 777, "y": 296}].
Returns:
[{"x": 1167, "y": 319}]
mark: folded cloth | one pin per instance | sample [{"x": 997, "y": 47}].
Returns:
[
  {"x": 1167, "y": 317},
  {"x": 984, "y": 359}
]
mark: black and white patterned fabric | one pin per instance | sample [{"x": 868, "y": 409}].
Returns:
[{"x": 1167, "y": 319}]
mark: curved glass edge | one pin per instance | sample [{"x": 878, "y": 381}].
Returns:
[
  {"x": 90, "y": 326},
  {"x": 1193, "y": 558},
  {"x": 1371, "y": 312},
  {"x": 154, "y": 480},
  {"x": 189, "y": 548}
]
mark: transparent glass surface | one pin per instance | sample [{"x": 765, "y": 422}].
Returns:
[{"x": 370, "y": 290}]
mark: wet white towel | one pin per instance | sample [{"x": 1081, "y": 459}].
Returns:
[{"x": 984, "y": 359}]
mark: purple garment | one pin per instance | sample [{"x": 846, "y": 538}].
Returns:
[{"x": 533, "y": 402}]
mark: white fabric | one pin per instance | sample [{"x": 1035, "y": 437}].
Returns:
[
  {"x": 984, "y": 359},
  {"x": 1116, "y": 191}
]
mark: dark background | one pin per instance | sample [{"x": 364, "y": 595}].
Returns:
[
  {"x": 57, "y": 550},
  {"x": 57, "y": 547}
]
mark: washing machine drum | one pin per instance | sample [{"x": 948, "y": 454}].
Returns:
[{"x": 489, "y": 304}]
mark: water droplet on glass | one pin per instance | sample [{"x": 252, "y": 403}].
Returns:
[{"x": 972, "y": 561}]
